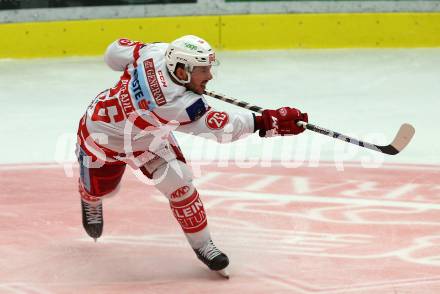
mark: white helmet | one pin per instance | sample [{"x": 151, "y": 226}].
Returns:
[{"x": 190, "y": 51}]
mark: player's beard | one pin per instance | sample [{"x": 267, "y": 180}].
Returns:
[{"x": 200, "y": 89}]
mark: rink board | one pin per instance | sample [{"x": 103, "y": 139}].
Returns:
[
  {"x": 286, "y": 230},
  {"x": 229, "y": 32}
]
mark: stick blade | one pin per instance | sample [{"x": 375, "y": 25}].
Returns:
[{"x": 402, "y": 139}]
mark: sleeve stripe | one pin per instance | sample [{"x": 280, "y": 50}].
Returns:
[
  {"x": 136, "y": 53},
  {"x": 164, "y": 121},
  {"x": 182, "y": 123}
]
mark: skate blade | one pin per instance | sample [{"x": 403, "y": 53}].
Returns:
[{"x": 223, "y": 273}]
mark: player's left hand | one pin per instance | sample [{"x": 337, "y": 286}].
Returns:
[{"x": 280, "y": 122}]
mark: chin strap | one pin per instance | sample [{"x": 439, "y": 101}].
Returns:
[
  {"x": 183, "y": 82},
  {"x": 188, "y": 71}
]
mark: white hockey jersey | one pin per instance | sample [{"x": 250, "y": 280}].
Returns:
[{"x": 141, "y": 111}]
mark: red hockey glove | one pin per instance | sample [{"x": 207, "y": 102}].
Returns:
[{"x": 280, "y": 122}]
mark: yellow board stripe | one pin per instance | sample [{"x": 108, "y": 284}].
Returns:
[
  {"x": 356, "y": 30},
  {"x": 91, "y": 37},
  {"x": 230, "y": 32}
]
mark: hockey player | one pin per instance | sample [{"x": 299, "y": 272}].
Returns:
[{"x": 160, "y": 91}]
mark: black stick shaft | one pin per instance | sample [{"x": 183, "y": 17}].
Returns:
[
  {"x": 384, "y": 149},
  {"x": 340, "y": 136},
  {"x": 241, "y": 104}
]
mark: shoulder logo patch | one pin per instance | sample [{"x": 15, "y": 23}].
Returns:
[
  {"x": 126, "y": 42},
  {"x": 216, "y": 120}
]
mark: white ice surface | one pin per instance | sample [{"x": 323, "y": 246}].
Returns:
[{"x": 364, "y": 93}]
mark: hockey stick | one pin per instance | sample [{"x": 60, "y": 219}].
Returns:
[{"x": 402, "y": 138}]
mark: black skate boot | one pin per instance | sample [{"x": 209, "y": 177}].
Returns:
[
  {"x": 213, "y": 258},
  {"x": 92, "y": 218}
]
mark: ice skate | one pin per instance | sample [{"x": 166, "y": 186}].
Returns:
[
  {"x": 216, "y": 260},
  {"x": 223, "y": 273},
  {"x": 92, "y": 218}
]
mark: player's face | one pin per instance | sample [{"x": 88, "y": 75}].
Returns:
[{"x": 200, "y": 76}]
